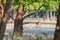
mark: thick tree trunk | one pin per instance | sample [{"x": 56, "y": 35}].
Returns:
[
  {"x": 4, "y": 18},
  {"x": 57, "y": 30},
  {"x": 18, "y": 27},
  {"x": 2, "y": 30},
  {"x": 18, "y": 22}
]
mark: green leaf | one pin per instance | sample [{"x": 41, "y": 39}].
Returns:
[{"x": 39, "y": 38}]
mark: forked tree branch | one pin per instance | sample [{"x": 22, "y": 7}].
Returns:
[
  {"x": 31, "y": 13},
  {"x": 26, "y": 13}
]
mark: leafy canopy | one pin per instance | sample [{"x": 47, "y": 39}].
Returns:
[{"x": 50, "y": 5}]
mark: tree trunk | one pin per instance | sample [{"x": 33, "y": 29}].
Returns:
[
  {"x": 18, "y": 27},
  {"x": 2, "y": 30},
  {"x": 44, "y": 15},
  {"x": 51, "y": 15},
  {"x": 5, "y": 18},
  {"x": 57, "y": 30},
  {"x": 47, "y": 15},
  {"x": 18, "y": 22}
]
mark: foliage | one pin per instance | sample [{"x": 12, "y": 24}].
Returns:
[
  {"x": 54, "y": 4},
  {"x": 3, "y": 2},
  {"x": 51, "y": 5},
  {"x": 11, "y": 34},
  {"x": 39, "y": 38},
  {"x": 17, "y": 35}
]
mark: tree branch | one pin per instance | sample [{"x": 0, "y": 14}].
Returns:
[
  {"x": 28, "y": 13},
  {"x": 40, "y": 6}
]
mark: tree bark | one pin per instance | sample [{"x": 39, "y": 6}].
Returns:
[
  {"x": 18, "y": 22},
  {"x": 5, "y": 18},
  {"x": 2, "y": 30},
  {"x": 18, "y": 27},
  {"x": 57, "y": 30}
]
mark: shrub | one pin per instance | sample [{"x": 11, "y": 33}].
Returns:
[{"x": 39, "y": 38}]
